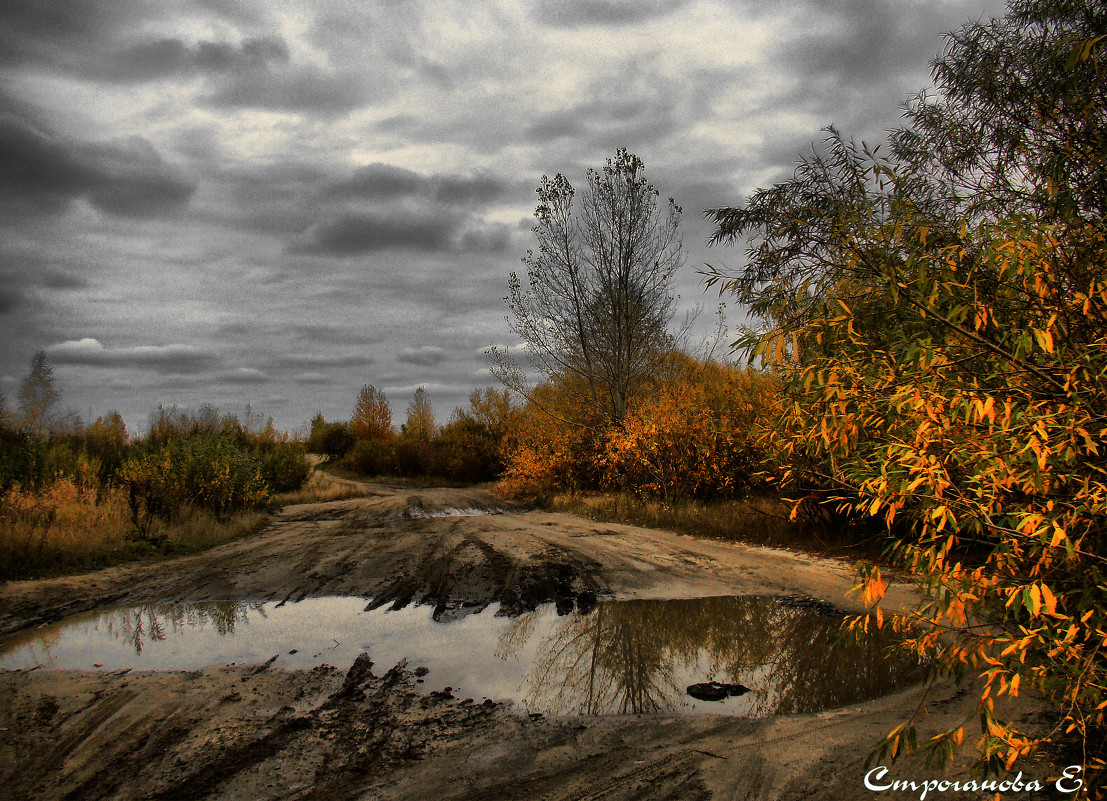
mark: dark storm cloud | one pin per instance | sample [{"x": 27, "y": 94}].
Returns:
[
  {"x": 576, "y": 13},
  {"x": 384, "y": 181},
  {"x": 166, "y": 359},
  {"x": 425, "y": 230},
  {"x": 377, "y": 181},
  {"x": 44, "y": 171},
  {"x": 354, "y": 234},
  {"x": 635, "y": 103},
  {"x": 169, "y": 56}
]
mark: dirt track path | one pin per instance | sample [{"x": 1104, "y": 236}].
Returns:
[{"x": 249, "y": 733}]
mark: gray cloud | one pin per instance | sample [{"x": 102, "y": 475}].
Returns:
[
  {"x": 9, "y": 299},
  {"x": 45, "y": 31},
  {"x": 378, "y": 181},
  {"x": 310, "y": 378},
  {"x": 423, "y": 356},
  {"x": 384, "y": 181},
  {"x": 57, "y": 279},
  {"x": 245, "y": 375},
  {"x": 167, "y": 359},
  {"x": 577, "y": 13},
  {"x": 43, "y": 171},
  {"x": 558, "y": 125},
  {"x": 170, "y": 56},
  {"x": 357, "y": 233},
  {"x": 302, "y": 88},
  {"x": 488, "y": 239},
  {"x": 427, "y": 230},
  {"x": 325, "y": 360},
  {"x": 862, "y": 42},
  {"x": 327, "y": 270}
]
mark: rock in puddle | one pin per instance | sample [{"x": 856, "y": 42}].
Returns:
[{"x": 715, "y": 690}]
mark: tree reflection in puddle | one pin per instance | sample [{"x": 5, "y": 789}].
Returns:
[
  {"x": 610, "y": 657},
  {"x": 149, "y": 623},
  {"x": 136, "y": 626},
  {"x": 639, "y": 656}
]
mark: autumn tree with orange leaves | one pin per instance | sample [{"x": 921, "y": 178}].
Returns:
[
  {"x": 372, "y": 416},
  {"x": 938, "y": 315}
]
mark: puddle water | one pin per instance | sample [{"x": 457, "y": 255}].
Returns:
[
  {"x": 414, "y": 512},
  {"x": 619, "y": 656}
]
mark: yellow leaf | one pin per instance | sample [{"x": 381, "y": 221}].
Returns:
[{"x": 1049, "y": 600}]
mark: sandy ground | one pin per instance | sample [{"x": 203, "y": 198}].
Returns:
[{"x": 248, "y": 732}]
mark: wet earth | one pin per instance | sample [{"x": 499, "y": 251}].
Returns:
[{"x": 445, "y": 644}]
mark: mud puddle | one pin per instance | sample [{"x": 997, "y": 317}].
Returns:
[
  {"x": 604, "y": 657},
  {"x": 418, "y": 512}
]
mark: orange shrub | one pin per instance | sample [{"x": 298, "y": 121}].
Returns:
[
  {"x": 695, "y": 435},
  {"x": 554, "y": 445}
]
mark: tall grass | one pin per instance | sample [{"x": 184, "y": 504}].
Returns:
[
  {"x": 63, "y": 528},
  {"x": 320, "y": 488},
  {"x": 754, "y": 520}
]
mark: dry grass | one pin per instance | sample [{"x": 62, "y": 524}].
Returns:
[
  {"x": 65, "y": 529},
  {"x": 321, "y": 487},
  {"x": 756, "y": 520}
]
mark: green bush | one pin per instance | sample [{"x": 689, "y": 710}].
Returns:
[
  {"x": 212, "y": 473},
  {"x": 371, "y": 457},
  {"x": 284, "y": 466},
  {"x": 329, "y": 439}
]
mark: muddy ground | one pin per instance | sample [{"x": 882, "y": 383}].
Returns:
[{"x": 253, "y": 732}]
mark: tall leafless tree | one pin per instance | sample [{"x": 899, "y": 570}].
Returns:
[{"x": 596, "y": 305}]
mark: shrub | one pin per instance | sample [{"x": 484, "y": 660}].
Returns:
[
  {"x": 371, "y": 457},
  {"x": 208, "y": 472},
  {"x": 696, "y": 435},
  {"x": 329, "y": 439}
]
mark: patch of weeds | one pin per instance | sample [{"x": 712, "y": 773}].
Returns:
[{"x": 754, "y": 520}]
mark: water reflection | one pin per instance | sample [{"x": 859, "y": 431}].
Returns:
[
  {"x": 136, "y": 626},
  {"x": 639, "y": 656},
  {"x": 607, "y": 657},
  {"x": 141, "y": 624}
]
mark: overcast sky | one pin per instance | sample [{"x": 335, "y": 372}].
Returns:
[{"x": 235, "y": 201}]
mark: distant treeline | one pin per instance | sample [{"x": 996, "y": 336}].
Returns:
[
  {"x": 69, "y": 488},
  {"x": 691, "y": 433}
]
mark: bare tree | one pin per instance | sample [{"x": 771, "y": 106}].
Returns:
[{"x": 596, "y": 306}]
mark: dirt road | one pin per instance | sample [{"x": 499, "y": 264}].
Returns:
[{"x": 248, "y": 732}]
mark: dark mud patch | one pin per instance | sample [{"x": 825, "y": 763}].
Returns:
[
  {"x": 470, "y": 574},
  {"x": 318, "y": 735}
]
